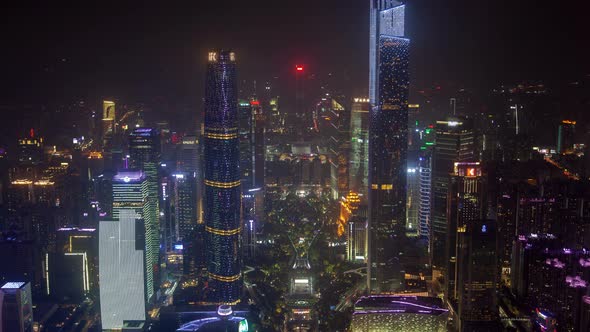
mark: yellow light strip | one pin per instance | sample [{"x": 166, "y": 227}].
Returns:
[
  {"x": 223, "y": 231},
  {"x": 222, "y": 184},
  {"x": 224, "y": 278},
  {"x": 221, "y": 136}
]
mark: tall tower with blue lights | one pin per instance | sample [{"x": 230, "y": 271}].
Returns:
[
  {"x": 388, "y": 140},
  {"x": 222, "y": 179}
]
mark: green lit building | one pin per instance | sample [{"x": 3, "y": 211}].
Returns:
[
  {"x": 145, "y": 155},
  {"x": 131, "y": 192}
]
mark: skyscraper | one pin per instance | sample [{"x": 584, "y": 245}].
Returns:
[
  {"x": 466, "y": 205},
  {"x": 121, "y": 270},
  {"x": 454, "y": 143},
  {"x": 144, "y": 152},
  {"x": 185, "y": 209},
  {"x": 222, "y": 178},
  {"x": 131, "y": 193},
  {"x": 388, "y": 140},
  {"x": 246, "y": 134},
  {"x": 477, "y": 277},
  {"x": 16, "y": 307},
  {"x": 359, "y": 146},
  {"x": 108, "y": 121},
  {"x": 565, "y": 136}
]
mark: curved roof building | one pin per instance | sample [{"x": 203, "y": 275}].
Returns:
[{"x": 399, "y": 313}]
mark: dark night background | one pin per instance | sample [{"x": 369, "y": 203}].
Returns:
[{"x": 54, "y": 51}]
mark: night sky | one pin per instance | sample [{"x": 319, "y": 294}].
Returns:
[{"x": 137, "y": 51}]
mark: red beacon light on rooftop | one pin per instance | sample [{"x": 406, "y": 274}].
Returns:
[{"x": 299, "y": 67}]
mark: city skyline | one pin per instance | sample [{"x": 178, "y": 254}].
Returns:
[
  {"x": 241, "y": 167},
  {"x": 164, "y": 42}
]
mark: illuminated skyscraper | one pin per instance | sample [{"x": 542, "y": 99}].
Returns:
[
  {"x": 246, "y": 133},
  {"x": 131, "y": 193},
  {"x": 121, "y": 270},
  {"x": 16, "y": 307},
  {"x": 185, "y": 209},
  {"x": 222, "y": 179},
  {"x": 388, "y": 140},
  {"x": 108, "y": 121},
  {"x": 565, "y": 136},
  {"x": 466, "y": 205},
  {"x": 359, "y": 146},
  {"x": 145, "y": 155},
  {"x": 454, "y": 143}
]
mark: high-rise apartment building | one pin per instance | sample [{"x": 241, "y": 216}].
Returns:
[
  {"x": 454, "y": 142},
  {"x": 222, "y": 179},
  {"x": 388, "y": 140}
]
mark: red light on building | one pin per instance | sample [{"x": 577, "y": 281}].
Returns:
[
  {"x": 255, "y": 103},
  {"x": 471, "y": 172},
  {"x": 299, "y": 68},
  {"x": 32, "y": 133}
]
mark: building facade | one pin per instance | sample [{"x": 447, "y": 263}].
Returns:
[
  {"x": 145, "y": 155},
  {"x": 222, "y": 179},
  {"x": 454, "y": 142},
  {"x": 388, "y": 140},
  {"x": 121, "y": 270}
]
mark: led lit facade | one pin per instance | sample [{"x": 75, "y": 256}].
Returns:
[
  {"x": 145, "y": 155},
  {"x": 388, "y": 140},
  {"x": 399, "y": 313},
  {"x": 131, "y": 192},
  {"x": 121, "y": 270},
  {"x": 222, "y": 179},
  {"x": 359, "y": 146},
  {"x": 413, "y": 202},
  {"x": 108, "y": 121},
  {"x": 425, "y": 171}
]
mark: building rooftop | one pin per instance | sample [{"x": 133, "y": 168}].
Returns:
[{"x": 399, "y": 304}]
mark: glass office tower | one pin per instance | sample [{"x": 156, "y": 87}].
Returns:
[
  {"x": 145, "y": 155},
  {"x": 131, "y": 191},
  {"x": 222, "y": 179},
  {"x": 388, "y": 140}
]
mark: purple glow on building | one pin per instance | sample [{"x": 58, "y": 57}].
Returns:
[
  {"x": 576, "y": 282},
  {"x": 567, "y": 251},
  {"x": 128, "y": 176},
  {"x": 66, "y": 229},
  {"x": 555, "y": 263},
  {"x": 586, "y": 299}
]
